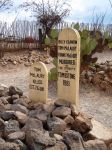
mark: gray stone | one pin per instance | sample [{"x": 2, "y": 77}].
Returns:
[
  {"x": 3, "y": 90},
  {"x": 16, "y": 96},
  {"x": 60, "y": 102},
  {"x": 14, "y": 90},
  {"x": 69, "y": 120},
  {"x": 82, "y": 124},
  {"x": 7, "y": 115},
  {"x": 10, "y": 127},
  {"x": 2, "y": 107},
  {"x": 58, "y": 146},
  {"x": 61, "y": 112},
  {"x": 38, "y": 140},
  {"x": 39, "y": 114},
  {"x": 21, "y": 145},
  {"x": 95, "y": 145},
  {"x": 8, "y": 107},
  {"x": 1, "y": 140},
  {"x": 2, "y": 126},
  {"x": 17, "y": 135},
  {"x": 73, "y": 140},
  {"x": 48, "y": 108},
  {"x": 4, "y": 100},
  {"x": 9, "y": 146},
  {"x": 58, "y": 137},
  {"x": 21, "y": 117},
  {"x": 21, "y": 101},
  {"x": 18, "y": 107},
  {"x": 9, "y": 99},
  {"x": 56, "y": 125},
  {"x": 25, "y": 99},
  {"x": 33, "y": 123}
]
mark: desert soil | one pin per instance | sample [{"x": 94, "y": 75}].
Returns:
[{"x": 93, "y": 102}]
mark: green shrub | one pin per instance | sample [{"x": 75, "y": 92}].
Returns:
[{"x": 54, "y": 71}]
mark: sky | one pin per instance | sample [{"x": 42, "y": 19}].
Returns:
[{"x": 81, "y": 11}]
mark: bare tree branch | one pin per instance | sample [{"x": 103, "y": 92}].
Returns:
[
  {"x": 5, "y": 4},
  {"x": 48, "y": 14}
]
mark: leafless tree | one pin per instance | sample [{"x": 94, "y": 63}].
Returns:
[
  {"x": 5, "y": 4},
  {"x": 48, "y": 13}
]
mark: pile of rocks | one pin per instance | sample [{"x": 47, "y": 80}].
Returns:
[
  {"x": 52, "y": 126},
  {"x": 99, "y": 75},
  {"x": 27, "y": 59}
]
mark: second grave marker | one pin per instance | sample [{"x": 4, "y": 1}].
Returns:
[{"x": 38, "y": 87}]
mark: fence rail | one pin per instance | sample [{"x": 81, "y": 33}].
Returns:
[{"x": 13, "y": 36}]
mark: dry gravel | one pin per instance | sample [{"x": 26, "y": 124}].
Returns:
[{"x": 92, "y": 101}]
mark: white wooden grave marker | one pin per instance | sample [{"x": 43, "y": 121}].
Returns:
[
  {"x": 69, "y": 65},
  {"x": 38, "y": 87}
]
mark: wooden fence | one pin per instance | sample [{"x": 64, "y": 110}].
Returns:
[{"x": 12, "y": 37}]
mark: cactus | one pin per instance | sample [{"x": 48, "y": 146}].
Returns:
[
  {"x": 47, "y": 40},
  {"x": 53, "y": 72},
  {"x": 84, "y": 34},
  {"x": 87, "y": 45},
  {"x": 76, "y": 26},
  {"x": 110, "y": 45},
  {"x": 54, "y": 34}
]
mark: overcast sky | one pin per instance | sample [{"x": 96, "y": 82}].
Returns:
[{"x": 82, "y": 11}]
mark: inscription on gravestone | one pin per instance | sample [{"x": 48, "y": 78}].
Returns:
[
  {"x": 38, "y": 87},
  {"x": 68, "y": 65}
]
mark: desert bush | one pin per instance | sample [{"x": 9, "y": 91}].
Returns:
[{"x": 53, "y": 74}]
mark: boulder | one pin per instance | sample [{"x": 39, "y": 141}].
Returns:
[
  {"x": 58, "y": 137},
  {"x": 21, "y": 117},
  {"x": 9, "y": 99},
  {"x": 48, "y": 108},
  {"x": 37, "y": 139},
  {"x": 33, "y": 123},
  {"x": 61, "y": 112},
  {"x": 95, "y": 145},
  {"x": 39, "y": 114},
  {"x": 56, "y": 125},
  {"x": 82, "y": 124},
  {"x": 61, "y": 102},
  {"x": 2, "y": 126},
  {"x": 58, "y": 146},
  {"x": 14, "y": 90},
  {"x": 4, "y": 100},
  {"x": 2, "y": 107},
  {"x": 3, "y": 90},
  {"x": 18, "y": 107},
  {"x": 69, "y": 120},
  {"x": 16, "y": 135},
  {"x": 73, "y": 140},
  {"x": 10, "y": 127},
  {"x": 21, "y": 145},
  {"x": 9, "y": 146},
  {"x": 16, "y": 96},
  {"x": 22, "y": 101},
  {"x": 7, "y": 115}
]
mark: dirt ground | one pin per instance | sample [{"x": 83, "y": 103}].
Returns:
[{"x": 92, "y": 101}]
